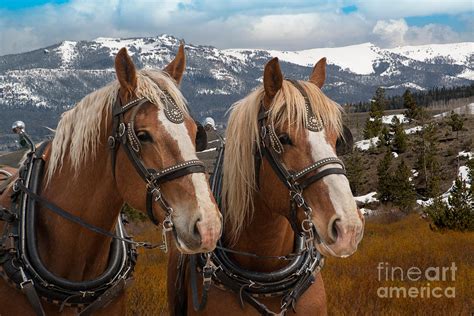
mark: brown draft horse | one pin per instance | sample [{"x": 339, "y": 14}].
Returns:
[
  {"x": 256, "y": 215},
  {"x": 79, "y": 179}
]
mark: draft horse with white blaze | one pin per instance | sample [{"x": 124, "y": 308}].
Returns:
[
  {"x": 64, "y": 247},
  {"x": 286, "y": 203}
]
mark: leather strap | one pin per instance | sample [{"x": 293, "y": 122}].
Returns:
[
  {"x": 198, "y": 305},
  {"x": 75, "y": 219},
  {"x": 106, "y": 297},
  {"x": 28, "y": 289}
]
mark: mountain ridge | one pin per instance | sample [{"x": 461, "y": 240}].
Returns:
[{"x": 56, "y": 77}]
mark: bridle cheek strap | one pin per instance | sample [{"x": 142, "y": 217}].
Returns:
[
  {"x": 295, "y": 182},
  {"x": 125, "y": 134}
]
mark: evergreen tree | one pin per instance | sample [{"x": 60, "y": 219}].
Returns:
[
  {"x": 437, "y": 212},
  {"x": 427, "y": 162},
  {"x": 400, "y": 140},
  {"x": 412, "y": 110},
  {"x": 385, "y": 137},
  {"x": 458, "y": 213},
  {"x": 404, "y": 195},
  {"x": 470, "y": 175},
  {"x": 355, "y": 170},
  {"x": 373, "y": 124},
  {"x": 456, "y": 122},
  {"x": 385, "y": 178}
]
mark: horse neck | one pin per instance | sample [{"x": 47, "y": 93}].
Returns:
[
  {"x": 66, "y": 248},
  {"x": 267, "y": 234}
]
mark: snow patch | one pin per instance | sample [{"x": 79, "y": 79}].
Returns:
[
  {"x": 467, "y": 154},
  {"x": 368, "y": 198},
  {"x": 413, "y": 130},
  {"x": 67, "y": 52},
  {"x": 457, "y": 53},
  {"x": 463, "y": 174},
  {"x": 366, "y": 211},
  {"x": 359, "y": 60},
  {"x": 213, "y": 92},
  {"x": 367, "y": 143},
  {"x": 467, "y": 74},
  {"x": 387, "y": 119},
  {"x": 408, "y": 85}
]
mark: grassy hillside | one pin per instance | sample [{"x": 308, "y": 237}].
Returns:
[{"x": 448, "y": 149}]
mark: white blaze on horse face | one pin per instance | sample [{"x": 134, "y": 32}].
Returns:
[
  {"x": 337, "y": 184},
  {"x": 209, "y": 214}
]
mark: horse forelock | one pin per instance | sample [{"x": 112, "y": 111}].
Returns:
[
  {"x": 287, "y": 110},
  {"x": 79, "y": 129}
]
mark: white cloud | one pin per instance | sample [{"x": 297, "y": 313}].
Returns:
[
  {"x": 392, "y": 33},
  {"x": 234, "y": 24}
]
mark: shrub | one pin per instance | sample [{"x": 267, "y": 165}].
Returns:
[{"x": 458, "y": 213}]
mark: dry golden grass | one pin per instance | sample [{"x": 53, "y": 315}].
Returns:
[
  {"x": 147, "y": 296},
  {"x": 352, "y": 283}
]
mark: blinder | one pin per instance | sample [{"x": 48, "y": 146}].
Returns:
[
  {"x": 201, "y": 137},
  {"x": 345, "y": 142}
]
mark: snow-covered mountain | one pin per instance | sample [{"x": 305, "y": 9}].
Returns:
[{"x": 51, "y": 79}]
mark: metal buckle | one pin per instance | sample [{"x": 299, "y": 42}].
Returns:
[
  {"x": 24, "y": 278},
  {"x": 166, "y": 226},
  {"x": 156, "y": 192},
  {"x": 207, "y": 274},
  {"x": 16, "y": 187},
  {"x": 111, "y": 142},
  {"x": 121, "y": 129},
  {"x": 307, "y": 225},
  {"x": 263, "y": 132},
  {"x": 298, "y": 198},
  {"x": 207, "y": 271},
  {"x": 22, "y": 284}
]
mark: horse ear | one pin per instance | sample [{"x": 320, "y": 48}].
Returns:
[
  {"x": 272, "y": 79},
  {"x": 176, "y": 68},
  {"x": 345, "y": 142},
  {"x": 126, "y": 72},
  {"x": 318, "y": 76}
]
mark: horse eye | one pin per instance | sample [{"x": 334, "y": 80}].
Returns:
[
  {"x": 285, "y": 139},
  {"x": 144, "y": 136}
]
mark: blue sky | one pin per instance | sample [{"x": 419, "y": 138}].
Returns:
[{"x": 271, "y": 24}]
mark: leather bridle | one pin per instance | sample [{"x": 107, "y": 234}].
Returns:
[
  {"x": 295, "y": 181},
  {"x": 124, "y": 133}
]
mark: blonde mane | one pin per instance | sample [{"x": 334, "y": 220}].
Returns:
[
  {"x": 288, "y": 106},
  {"x": 78, "y": 132}
]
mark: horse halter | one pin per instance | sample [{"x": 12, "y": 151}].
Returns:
[
  {"x": 124, "y": 133},
  {"x": 295, "y": 181}
]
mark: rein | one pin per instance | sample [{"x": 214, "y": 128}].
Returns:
[{"x": 294, "y": 279}]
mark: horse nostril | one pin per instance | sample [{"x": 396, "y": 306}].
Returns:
[
  {"x": 334, "y": 229},
  {"x": 196, "y": 228}
]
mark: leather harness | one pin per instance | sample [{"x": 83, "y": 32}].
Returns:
[
  {"x": 20, "y": 262},
  {"x": 290, "y": 282}
]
